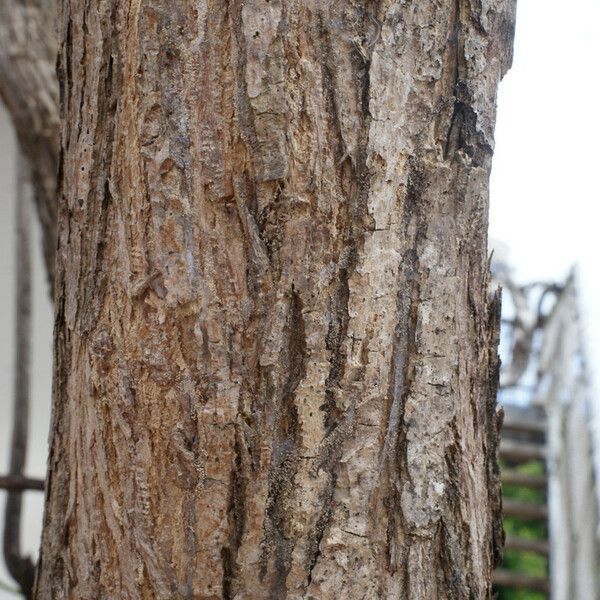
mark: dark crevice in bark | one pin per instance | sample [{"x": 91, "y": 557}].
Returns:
[
  {"x": 228, "y": 572},
  {"x": 336, "y": 334},
  {"x": 475, "y": 299},
  {"x": 327, "y": 60},
  {"x": 494, "y": 417},
  {"x": 83, "y": 65},
  {"x": 278, "y": 542},
  {"x": 237, "y": 518},
  {"x": 400, "y": 374},
  {"x": 393, "y": 457},
  {"x": 397, "y": 544},
  {"x": 338, "y": 326},
  {"x": 315, "y": 537},
  {"x": 279, "y": 538},
  {"x": 454, "y": 83},
  {"x": 369, "y": 35},
  {"x": 98, "y": 276},
  {"x": 454, "y": 531},
  {"x": 455, "y": 46},
  {"x": 354, "y": 180},
  {"x": 393, "y": 462},
  {"x": 296, "y": 359},
  {"x": 99, "y": 197},
  {"x": 464, "y": 135},
  {"x": 258, "y": 246},
  {"x": 242, "y": 105},
  {"x": 450, "y": 568},
  {"x": 191, "y": 474},
  {"x": 461, "y": 131},
  {"x": 67, "y": 70}
]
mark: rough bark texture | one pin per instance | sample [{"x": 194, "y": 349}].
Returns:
[
  {"x": 275, "y": 354},
  {"x": 29, "y": 88}
]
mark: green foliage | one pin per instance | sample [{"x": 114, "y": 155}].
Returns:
[
  {"x": 529, "y": 563},
  {"x": 506, "y": 594}
]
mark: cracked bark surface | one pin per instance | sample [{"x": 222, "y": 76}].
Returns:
[{"x": 275, "y": 352}]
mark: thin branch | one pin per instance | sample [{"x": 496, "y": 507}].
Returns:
[
  {"x": 20, "y": 483},
  {"x": 21, "y": 568}
]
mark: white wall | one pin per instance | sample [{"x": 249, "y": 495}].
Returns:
[{"x": 41, "y": 349}]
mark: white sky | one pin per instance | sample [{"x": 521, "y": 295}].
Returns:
[{"x": 544, "y": 187}]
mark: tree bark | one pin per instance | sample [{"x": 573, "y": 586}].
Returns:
[
  {"x": 275, "y": 351},
  {"x": 29, "y": 88}
]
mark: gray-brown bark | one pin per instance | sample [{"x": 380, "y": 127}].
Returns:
[
  {"x": 29, "y": 88},
  {"x": 275, "y": 355}
]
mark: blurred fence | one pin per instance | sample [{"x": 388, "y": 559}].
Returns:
[{"x": 544, "y": 382}]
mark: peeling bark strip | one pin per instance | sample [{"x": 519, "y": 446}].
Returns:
[{"x": 275, "y": 354}]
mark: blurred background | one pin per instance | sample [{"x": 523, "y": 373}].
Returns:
[
  {"x": 543, "y": 229},
  {"x": 544, "y": 232}
]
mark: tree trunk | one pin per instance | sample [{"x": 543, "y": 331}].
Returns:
[
  {"x": 29, "y": 88},
  {"x": 275, "y": 354}
]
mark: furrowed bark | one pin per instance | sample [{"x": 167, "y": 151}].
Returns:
[
  {"x": 275, "y": 354},
  {"x": 29, "y": 89}
]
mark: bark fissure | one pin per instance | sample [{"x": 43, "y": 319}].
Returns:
[{"x": 285, "y": 452}]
